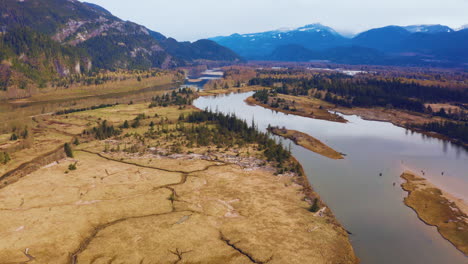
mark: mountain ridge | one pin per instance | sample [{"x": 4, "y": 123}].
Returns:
[
  {"x": 263, "y": 43},
  {"x": 102, "y": 40},
  {"x": 413, "y": 45}
]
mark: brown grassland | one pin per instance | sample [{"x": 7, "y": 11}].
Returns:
[
  {"x": 138, "y": 199},
  {"x": 307, "y": 142},
  {"x": 303, "y": 106},
  {"x": 18, "y": 112}
]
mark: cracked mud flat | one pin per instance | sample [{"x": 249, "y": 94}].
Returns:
[{"x": 110, "y": 211}]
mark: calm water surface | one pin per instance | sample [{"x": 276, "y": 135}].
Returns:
[{"x": 371, "y": 207}]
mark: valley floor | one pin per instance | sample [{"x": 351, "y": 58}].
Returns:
[{"x": 140, "y": 199}]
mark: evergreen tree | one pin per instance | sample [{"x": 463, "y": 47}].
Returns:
[{"x": 68, "y": 150}]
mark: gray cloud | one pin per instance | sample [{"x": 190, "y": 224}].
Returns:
[{"x": 195, "y": 19}]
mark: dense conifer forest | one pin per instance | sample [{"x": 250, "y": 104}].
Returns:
[
  {"x": 454, "y": 130},
  {"x": 347, "y": 91}
]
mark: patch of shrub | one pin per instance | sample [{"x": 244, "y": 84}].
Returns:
[
  {"x": 4, "y": 157},
  {"x": 68, "y": 150},
  {"x": 72, "y": 166},
  {"x": 314, "y": 207}
]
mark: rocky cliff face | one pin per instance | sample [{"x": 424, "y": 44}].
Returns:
[{"x": 93, "y": 39}]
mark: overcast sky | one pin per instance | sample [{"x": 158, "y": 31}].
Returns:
[{"x": 195, "y": 19}]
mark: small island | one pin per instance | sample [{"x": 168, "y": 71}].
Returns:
[
  {"x": 437, "y": 208},
  {"x": 295, "y": 105},
  {"x": 307, "y": 141}
]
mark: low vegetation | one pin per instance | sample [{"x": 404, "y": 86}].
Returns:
[
  {"x": 68, "y": 150},
  {"x": 307, "y": 142},
  {"x": 74, "y": 110},
  {"x": 171, "y": 172},
  {"x": 181, "y": 98},
  {"x": 433, "y": 207},
  {"x": 4, "y": 157},
  {"x": 103, "y": 131}
]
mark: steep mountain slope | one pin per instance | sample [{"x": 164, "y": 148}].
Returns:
[
  {"x": 294, "y": 52},
  {"x": 102, "y": 40},
  {"x": 343, "y": 54},
  {"x": 256, "y": 45},
  {"x": 98, "y": 7},
  {"x": 386, "y": 38},
  {"x": 30, "y": 57},
  {"x": 199, "y": 50},
  {"x": 447, "y": 45}
]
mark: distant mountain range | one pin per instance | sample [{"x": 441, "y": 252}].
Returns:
[
  {"x": 416, "y": 45},
  {"x": 258, "y": 45},
  {"x": 42, "y": 38}
]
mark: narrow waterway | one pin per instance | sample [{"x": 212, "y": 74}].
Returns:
[{"x": 383, "y": 229}]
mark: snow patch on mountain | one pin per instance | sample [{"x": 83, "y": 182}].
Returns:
[
  {"x": 436, "y": 28},
  {"x": 462, "y": 27}
]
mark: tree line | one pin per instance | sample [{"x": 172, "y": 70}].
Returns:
[
  {"x": 454, "y": 130},
  {"x": 229, "y": 127},
  {"x": 181, "y": 97},
  {"x": 347, "y": 91},
  {"x": 74, "y": 110}
]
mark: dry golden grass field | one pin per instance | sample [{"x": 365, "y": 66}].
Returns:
[{"x": 139, "y": 199}]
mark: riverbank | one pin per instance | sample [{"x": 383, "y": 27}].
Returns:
[
  {"x": 302, "y": 107},
  {"x": 307, "y": 142},
  {"x": 244, "y": 89},
  {"x": 365, "y": 193},
  {"x": 17, "y": 112},
  {"x": 168, "y": 199},
  {"x": 439, "y": 209},
  {"x": 399, "y": 118},
  {"x": 319, "y": 109}
]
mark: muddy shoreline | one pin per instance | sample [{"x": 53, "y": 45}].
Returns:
[
  {"x": 437, "y": 208},
  {"x": 308, "y": 142},
  {"x": 252, "y": 101}
]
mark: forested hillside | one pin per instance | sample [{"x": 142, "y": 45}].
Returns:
[
  {"x": 63, "y": 37},
  {"x": 29, "y": 57}
]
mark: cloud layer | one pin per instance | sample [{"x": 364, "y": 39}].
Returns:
[{"x": 195, "y": 19}]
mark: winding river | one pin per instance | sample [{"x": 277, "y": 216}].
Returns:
[{"x": 370, "y": 206}]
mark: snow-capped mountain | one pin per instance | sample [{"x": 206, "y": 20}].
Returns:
[
  {"x": 462, "y": 27},
  {"x": 313, "y": 36},
  {"x": 392, "y": 45},
  {"x": 319, "y": 28},
  {"x": 428, "y": 29}
]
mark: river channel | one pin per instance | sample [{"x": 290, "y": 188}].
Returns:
[{"x": 370, "y": 206}]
